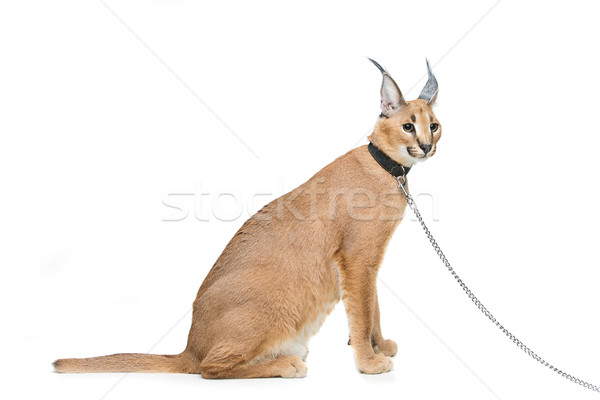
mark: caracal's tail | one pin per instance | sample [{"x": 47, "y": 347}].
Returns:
[{"x": 128, "y": 362}]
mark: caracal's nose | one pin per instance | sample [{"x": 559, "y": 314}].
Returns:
[{"x": 425, "y": 147}]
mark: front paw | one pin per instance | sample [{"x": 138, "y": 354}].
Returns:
[
  {"x": 377, "y": 364},
  {"x": 388, "y": 348}
]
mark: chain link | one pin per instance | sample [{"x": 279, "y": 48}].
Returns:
[{"x": 411, "y": 203}]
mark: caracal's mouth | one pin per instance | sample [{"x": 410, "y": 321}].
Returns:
[
  {"x": 416, "y": 154},
  {"x": 419, "y": 155}
]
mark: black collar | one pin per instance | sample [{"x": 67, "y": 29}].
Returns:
[{"x": 387, "y": 163}]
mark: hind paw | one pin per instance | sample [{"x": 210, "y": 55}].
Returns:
[{"x": 293, "y": 367}]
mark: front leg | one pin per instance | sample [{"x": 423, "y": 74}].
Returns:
[
  {"x": 381, "y": 345},
  {"x": 360, "y": 298}
]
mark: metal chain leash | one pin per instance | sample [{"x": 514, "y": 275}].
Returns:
[{"x": 411, "y": 203}]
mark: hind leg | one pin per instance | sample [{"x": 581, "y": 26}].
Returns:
[
  {"x": 252, "y": 341},
  {"x": 220, "y": 363}
]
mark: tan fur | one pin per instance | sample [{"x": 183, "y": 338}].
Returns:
[{"x": 290, "y": 263}]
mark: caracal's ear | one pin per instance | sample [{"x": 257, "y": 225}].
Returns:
[
  {"x": 391, "y": 96},
  {"x": 430, "y": 90}
]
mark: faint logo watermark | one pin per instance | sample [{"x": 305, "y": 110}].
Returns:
[{"x": 205, "y": 204}]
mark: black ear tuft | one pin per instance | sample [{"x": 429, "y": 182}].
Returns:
[
  {"x": 430, "y": 90},
  {"x": 383, "y": 71}
]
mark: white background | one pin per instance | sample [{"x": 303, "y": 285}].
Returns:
[{"x": 97, "y": 131}]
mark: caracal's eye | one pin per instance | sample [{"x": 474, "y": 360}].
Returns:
[
  {"x": 434, "y": 127},
  {"x": 410, "y": 128}
]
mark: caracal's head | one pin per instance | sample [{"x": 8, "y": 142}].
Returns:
[{"x": 407, "y": 131}]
